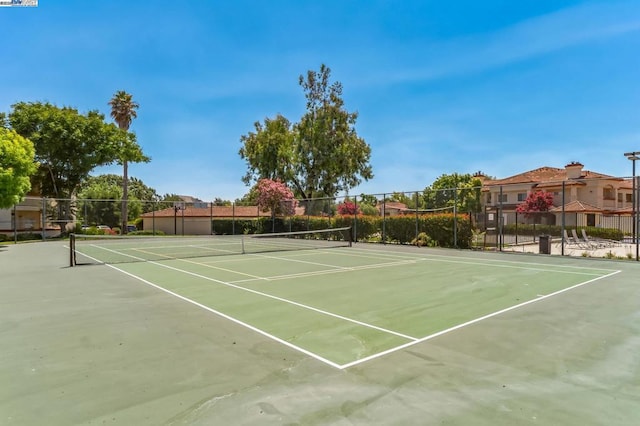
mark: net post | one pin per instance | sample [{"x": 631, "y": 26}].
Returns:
[
  {"x": 242, "y": 243},
  {"x": 72, "y": 250},
  {"x": 350, "y": 236}
]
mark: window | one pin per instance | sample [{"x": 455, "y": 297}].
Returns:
[
  {"x": 502, "y": 199},
  {"x": 619, "y": 197},
  {"x": 628, "y": 198},
  {"x": 608, "y": 193},
  {"x": 522, "y": 196}
]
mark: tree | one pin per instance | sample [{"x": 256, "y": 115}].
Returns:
[
  {"x": 68, "y": 146},
  {"x": 99, "y": 196},
  {"x": 16, "y": 167},
  {"x": 449, "y": 189},
  {"x": 276, "y": 197},
  {"x": 401, "y": 197},
  {"x": 269, "y": 151},
  {"x": 137, "y": 188},
  {"x": 320, "y": 155},
  {"x": 123, "y": 111},
  {"x": 348, "y": 208},
  {"x": 220, "y": 202},
  {"x": 538, "y": 201},
  {"x": 98, "y": 203},
  {"x": 330, "y": 155}
]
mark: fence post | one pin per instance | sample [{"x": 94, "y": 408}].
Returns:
[
  {"x": 562, "y": 231},
  {"x": 417, "y": 227},
  {"x": 354, "y": 236},
  {"x": 43, "y": 219},
  {"x": 500, "y": 221},
  {"x": 455, "y": 217},
  {"x": 15, "y": 224},
  {"x": 384, "y": 217}
]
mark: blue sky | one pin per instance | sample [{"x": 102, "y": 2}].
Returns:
[{"x": 498, "y": 86}]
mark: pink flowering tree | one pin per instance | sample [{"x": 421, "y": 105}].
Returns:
[
  {"x": 539, "y": 201},
  {"x": 348, "y": 208},
  {"x": 276, "y": 197}
]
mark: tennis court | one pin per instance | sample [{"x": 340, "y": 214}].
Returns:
[{"x": 225, "y": 330}]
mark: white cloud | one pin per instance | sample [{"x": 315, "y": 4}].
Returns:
[{"x": 527, "y": 39}]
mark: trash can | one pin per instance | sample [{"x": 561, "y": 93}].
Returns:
[{"x": 545, "y": 244}]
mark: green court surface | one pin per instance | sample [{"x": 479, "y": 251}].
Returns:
[{"x": 368, "y": 334}]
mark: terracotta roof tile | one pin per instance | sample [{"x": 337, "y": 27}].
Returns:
[
  {"x": 577, "y": 207},
  {"x": 216, "y": 211},
  {"x": 544, "y": 176}
]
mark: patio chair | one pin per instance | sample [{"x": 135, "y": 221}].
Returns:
[
  {"x": 599, "y": 242},
  {"x": 584, "y": 241},
  {"x": 570, "y": 241},
  {"x": 582, "y": 244}
]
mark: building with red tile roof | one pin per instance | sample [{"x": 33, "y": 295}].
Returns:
[{"x": 588, "y": 196}]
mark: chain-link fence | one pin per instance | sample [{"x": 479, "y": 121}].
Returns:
[{"x": 490, "y": 217}]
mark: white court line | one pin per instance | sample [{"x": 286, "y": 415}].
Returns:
[
  {"x": 281, "y": 299},
  {"x": 344, "y": 268},
  {"x": 230, "y": 318},
  {"x": 506, "y": 264},
  {"x": 332, "y": 271},
  {"x": 365, "y": 359},
  {"x": 465, "y": 324},
  {"x": 206, "y": 265},
  {"x": 476, "y": 259}
]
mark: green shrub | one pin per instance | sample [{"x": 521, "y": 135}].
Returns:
[
  {"x": 3, "y": 237},
  {"x": 146, "y": 233},
  {"x": 29, "y": 236},
  {"x": 395, "y": 229},
  {"x": 423, "y": 240}
]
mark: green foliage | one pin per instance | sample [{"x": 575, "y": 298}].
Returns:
[
  {"x": 92, "y": 230},
  {"x": 461, "y": 189},
  {"x": 397, "y": 229},
  {"x": 423, "y": 240},
  {"x": 100, "y": 202},
  {"x": 269, "y": 151},
  {"x": 221, "y": 202},
  {"x": 401, "y": 197},
  {"x": 69, "y": 145},
  {"x": 137, "y": 188},
  {"x": 29, "y": 236},
  {"x": 157, "y": 232},
  {"x": 477, "y": 238},
  {"x": 368, "y": 199},
  {"x": 16, "y": 167},
  {"x": 123, "y": 111},
  {"x": 368, "y": 209},
  {"x": 320, "y": 155}
]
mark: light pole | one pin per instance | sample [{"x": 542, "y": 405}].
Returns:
[{"x": 633, "y": 156}]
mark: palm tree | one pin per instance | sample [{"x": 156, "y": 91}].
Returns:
[{"x": 123, "y": 111}]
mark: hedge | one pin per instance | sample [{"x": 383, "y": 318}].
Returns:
[{"x": 396, "y": 229}]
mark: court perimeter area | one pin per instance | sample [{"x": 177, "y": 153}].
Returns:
[{"x": 368, "y": 334}]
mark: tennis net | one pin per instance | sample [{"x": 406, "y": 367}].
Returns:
[{"x": 109, "y": 249}]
